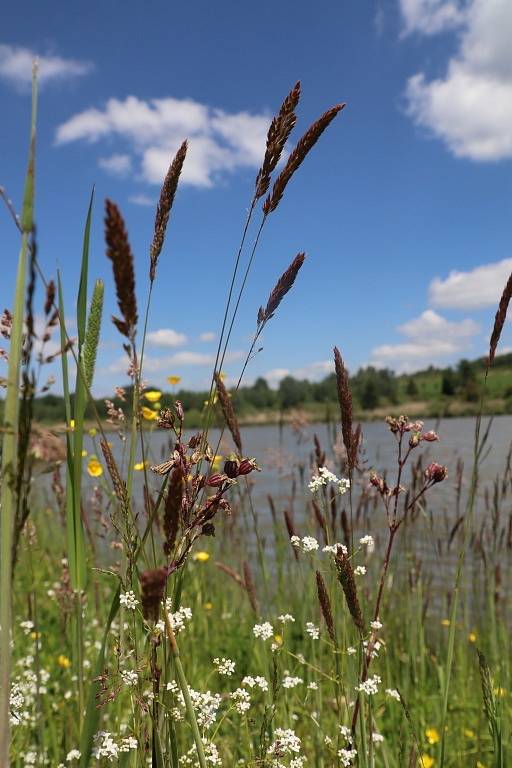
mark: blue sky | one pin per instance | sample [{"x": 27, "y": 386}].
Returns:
[{"x": 403, "y": 208}]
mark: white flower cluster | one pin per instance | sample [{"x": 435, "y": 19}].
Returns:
[
  {"x": 285, "y": 618},
  {"x": 286, "y": 741},
  {"x": 242, "y": 700},
  {"x": 105, "y": 746},
  {"x": 368, "y": 542},
  {"x": 333, "y": 549},
  {"x": 347, "y": 756},
  {"x": 307, "y": 543},
  {"x": 312, "y": 630},
  {"x": 376, "y": 625},
  {"x": 24, "y": 691},
  {"x": 374, "y": 648},
  {"x": 128, "y": 600},
  {"x": 178, "y": 618},
  {"x": 359, "y": 570},
  {"x": 206, "y": 706},
  {"x": 393, "y": 693},
  {"x": 265, "y": 630},
  {"x": 324, "y": 477},
  {"x": 252, "y": 682},
  {"x": 224, "y": 666},
  {"x": 129, "y": 677},
  {"x": 27, "y": 626},
  {"x": 74, "y": 754},
  {"x": 370, "y": 686},
  {"x": 291, "y": 682},
  {"x": 210, "y": 752}
]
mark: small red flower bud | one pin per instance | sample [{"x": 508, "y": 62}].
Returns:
[
  {"x": 430, "y": 436},
  {"x": 247, "y": 465},
  {"x": 414, "y": 439},
  {"x": 231, "y": 468},
  {"x": 215, "y": 481},
  {"x": 436, "y": 472}
]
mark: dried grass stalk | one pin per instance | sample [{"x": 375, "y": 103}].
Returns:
[
  {"x": 152, "y": 584},
  {"x": 172, "y": 510},
  {"x": 297, "y": 156},
  {"x": 291, "y": 530},
  {"x": 231, "y": 573},
  {"x": 228, "y": 412},
  {"x": 499, "y": 321},
  {"x": 120, "y": 254},
  {"x": 164, "y": 206},
  {"x": 250, "y": 587},
  {"x": 348, "y": 583},
  {"x": 325, "y": 604},
  {"x": 117, "y": 482},
  {"x": 277, "y": 136},
  {"x": 345, "y": 401},
  {"x": 281, "y": 288}
]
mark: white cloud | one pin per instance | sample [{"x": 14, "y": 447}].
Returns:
[
  {"x": 274, "y": 376},
  {"x": 207, "y": 336},
  {"x": 142, "y": 200},
  {"x": 219, "y": 142},
  {"x": 470, "y": 107},
  {"x": 431, "y": 337},
  {"x": 480, "y": 287},
  {"x": 16, "y": 66},
  {"x": 432, "y": 16},
  {"x": 164, "y": 364},
  {"x": 165, "y": 337},
  {"x": 118, "y": 165}
]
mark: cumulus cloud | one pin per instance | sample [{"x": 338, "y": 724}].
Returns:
[
  {"x": 219, "y": 142},
  {"x": 164, "y": 364},
  {"x": 118, "y": 165},
  {"x": 165, "y": 337},
  {"x": 469, "y": 107},
  {"x": 477, "y": 288},
  {"x": 430, "y": 337},
  {"x": 142, "y": 200},
  {"x": 207, "y": 336},
  {"x": 311, "y": 371},
  {"x": 432, "y": 16},
  {"x": 16, "y": 66},
  {"x": 276, "y": 375}
]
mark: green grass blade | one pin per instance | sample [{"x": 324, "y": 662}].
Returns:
[
  {"x": 81, "y": 304},
  {"x": 10, "y": 442}
]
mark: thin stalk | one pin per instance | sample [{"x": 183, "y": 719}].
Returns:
[
  {"x": 10, "y": 444},
  {"x": 184, "y": 689}
]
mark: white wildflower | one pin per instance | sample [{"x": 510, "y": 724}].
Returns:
[
  {"x": 285, "y": 618},
  {"x": 224, "y": 666},
  {"x": 285, "y": 741},
  {"x": 347, "y": 756},
  {"x": 242, "y": 700},
  {"x": 312, "y": 686},
  {"x": 370, "y": 686},
  {"x": 376, "y": 625},
  {"x": 312, "y": 630},
  {"x": 265, "y": 630},
  {"x": 309, "y": 544},
  {"x": 291, "y": 682},
  {"x": 368, "y": 542},
  {"x": 129, "y": 677},
  {"x": 27, "y": 627},
  {"x": 393, "y": 693},
  {"x": 377, "y": 738},
  {"x": 360, "y": 570},
  {"x": 74, "y": 754},
  {"x": 129, "y": 600}
]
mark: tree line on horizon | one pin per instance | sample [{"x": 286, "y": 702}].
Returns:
[{"x": 371, "y": 387}]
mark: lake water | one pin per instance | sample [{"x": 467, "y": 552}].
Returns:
[{"x": 284, "y": 454}]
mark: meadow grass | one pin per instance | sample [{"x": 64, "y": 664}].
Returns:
[{"x": 187, "y": 624}]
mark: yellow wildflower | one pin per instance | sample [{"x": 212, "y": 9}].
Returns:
[
  {"x": 445, "y": 622},
  {"x": 480, "y": 765},
  {"x": 432, "y": 735},
  {"x": 148, "y": 413},
  {"x": 153, "y": 395},
  {"x": 468, "y": 733},
  {"x": 217, "y": 462},
  {"x": 222, "y": 375},
  {"x": 139, "y": 466},
  {"x": 174, "y": 379},
  {"x": 426, "y": 761},
  {"x": 472, "y": 637},
  {"x": 35, "y": 635},
  {"x": 94, "y": 468},
  {"x": 278, "y": 639},
  {"x": 84, "y": 453},
  {"x": 93, "y": 432},
  {"x": 500, "y": 692},
  {"x": 63, "y": 661},
  {"x": 201, "y": 557},
  {"x": 72, "y": 424},
  {"x": 208, "y": 606}
]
